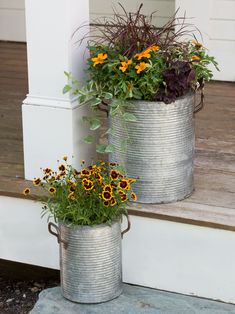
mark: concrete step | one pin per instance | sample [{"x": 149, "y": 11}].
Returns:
[{"x": 134, "y": 300}]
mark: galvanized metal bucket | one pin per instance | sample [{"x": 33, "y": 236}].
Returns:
[
  {"x": 90, "y": 261},
  {"x": 160, "y": 148}
]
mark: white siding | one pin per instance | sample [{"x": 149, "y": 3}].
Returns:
[
  {"x": 12, "y": 16},
  {"x": 12, "y": 20},
  {"x": 222, "y": 37},
  {"x": 164, "y": 9}
]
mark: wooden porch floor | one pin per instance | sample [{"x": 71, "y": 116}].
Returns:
[{"x": 213, "y": 202}]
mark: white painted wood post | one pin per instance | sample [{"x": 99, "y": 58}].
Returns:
[{"x": 52, "y": 124}]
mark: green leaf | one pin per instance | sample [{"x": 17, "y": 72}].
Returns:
[
  {"x": 121, "y": 168},
  {"x": 110, "y": 131},
  {"x": 89, "y": 139},
  {"x": 66, "y": 89},
  {"x": 68, "y": 74},
  {"x": 100, "y": 148},
  {"x": 95, "y": 124},
  {"x": 82, "y": 99},
  {"x": 95, "y": 102},
  {"x": 110, "y": 148},
  {"x": 129, "y": 117},
  {"x": 108, "y": 95}
]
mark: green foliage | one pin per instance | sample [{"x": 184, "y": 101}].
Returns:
[{"x": 96, "y": 194}]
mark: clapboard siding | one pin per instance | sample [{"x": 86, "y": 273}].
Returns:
[
  {"x": 105, "y": 7},
  {"x": 222, "y": 30},
  {"x": 12, "y": 24},
  {"x": 222, "y": 37},
  {"x": 223, "y": 9}
]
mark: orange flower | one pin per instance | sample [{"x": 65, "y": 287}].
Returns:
[
  {"x": 140, "y": 67},
  {"x": 154, "y": 48},
  {"x": 196, "y": 43},
  {"x": 124, "y": 65},
  {"x": 195, "y": 58},
  {"x": 144, "y": 54},
  {"x": 99, "y": 59}
]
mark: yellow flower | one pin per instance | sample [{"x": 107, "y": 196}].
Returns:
[
  {"x": 106, "y": 203},
  {"x": 144, "y": 54},
  {"x": 131, "y": 180},
  {"x": 52, "y": 190},
  {"x": 65, "y": 158},
  {"x": 106, "y": 195},
  {"x": 88, "y": 184},
  {"x": 47, "y": 170},
  {"x": 37, "y": 181},
  {"x": 26, "y": 191},
  {"x": 71, "y": 196},
  {"x": 140, "y": 67},
  {"x": 154, "y": 48},
  {"x": 196, "y": 43},
  {"x": 195, "y": 58},
  {"x": 124, "y": 184},
  {"x": 124, "y": 65},
  {"x": 99, "y": 59},
  {"x": 123, "y": 196},
  {"x": 85, "y": 173},
  {"x": 62, "y": 167},
  {"x": 113, "y": 201},
  {"x": 114, "y": 174},
  {"x": 133, "y": 196},
  {"x": 108, "y": 188}
]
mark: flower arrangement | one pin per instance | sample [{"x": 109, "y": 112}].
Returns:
[
  {"x": 134, "y": 60},
  {"x": 97, "y": 194}
]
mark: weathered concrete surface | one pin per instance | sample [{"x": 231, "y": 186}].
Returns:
[{"x": 134, "y": 300}]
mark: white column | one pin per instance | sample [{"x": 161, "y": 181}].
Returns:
[{"x": 52, "y": 124}]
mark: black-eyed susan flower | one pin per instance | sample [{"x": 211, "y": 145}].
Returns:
[
  {"x": 62, "y": 174},
  {"x": 112, "y": 201},
  {"x": 123, "y": 196},
  {"x": 71, "y": 188},
  {"x": 47, "y": 170},
  {"x": 130, "y": 180},
  {"x": 99, "y": 177},
  {"x": 99, "y": 59},
  {"x": 106, "y": 195},
  {"x": 133, "y": 196},
  {"x": 26, "y": 191},
  {"x": 106, "y": 203},
  {"x": 85, "y": 173},
  {"x": 113, "y": 164},
  {"x": 195, "y": 58},
  {"x": 140, "y": 67},
  {"x": 36, "y": 182},
  {"x": 62, "y": 167},
  {"x": 114, "y": 174},
  {"x": 88, "y": 184},
  {"x": 52, "y": 190},
  {"x": 108, "y": 188},
  {"x": 124, "y": 184}
]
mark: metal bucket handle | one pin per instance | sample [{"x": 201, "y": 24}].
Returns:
[
  {"x": 201, "y": 103},
  {"x": 128, "y": 225},
  {"x": 57, "y": 234}
]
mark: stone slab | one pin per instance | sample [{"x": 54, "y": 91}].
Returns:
[{"x": 134, "y": 300}]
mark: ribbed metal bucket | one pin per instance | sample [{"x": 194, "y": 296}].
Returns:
[
  {"x": 90, "y": 262},
  {"x": 160, "y": 149}
]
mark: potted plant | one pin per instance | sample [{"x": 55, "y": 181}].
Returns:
[
  {"x": 146, "y": 78},
  {"x": 87, "y": 207}
]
